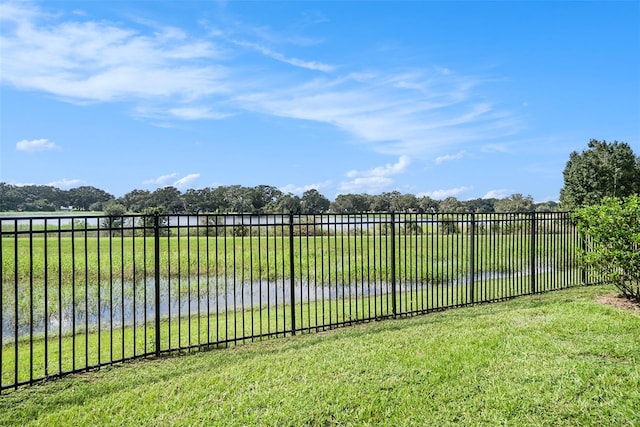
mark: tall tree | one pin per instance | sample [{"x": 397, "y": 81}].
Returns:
[
  {"x": 429, "y": 205},
  {"x": 136, "y": 200},
  {"x": 9, "y": 197},
  {"x": 351, "y": 203},
  {"x": 314, "y": 202},
  {"x": 169, "y": 199},
  {"x": 452, "y": 205},
  {"x": 480, "y": 205},
  {"x": 83, "y": 197},
  {"x": 239, "y": 199},
  {"x": 265, "y": 197},
  {"x": 404, "y": 203},
  {"x": 602, "y": 170},
  {"x": 515, "y": 203},
  {"x": 289, "y": 203}
]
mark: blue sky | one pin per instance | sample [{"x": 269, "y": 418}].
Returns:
[{"x": 464, "y": 99}]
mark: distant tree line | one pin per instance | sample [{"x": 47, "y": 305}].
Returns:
[
  {"x": 45, "y": 198},
  {"x": 602, "y": 170},
  {"x": 239, "y": 199}
]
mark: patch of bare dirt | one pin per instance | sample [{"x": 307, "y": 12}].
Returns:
[{"x": 619, "y": 301}]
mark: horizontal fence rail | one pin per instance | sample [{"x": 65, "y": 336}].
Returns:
[{"x": 80, "y": 292}]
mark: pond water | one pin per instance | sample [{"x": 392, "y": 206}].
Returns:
[
  {"x": 114, "y": 308},
  {"x": 124, "y": 304}
]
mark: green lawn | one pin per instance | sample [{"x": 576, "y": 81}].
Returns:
[{"x": 559, "y": 358}]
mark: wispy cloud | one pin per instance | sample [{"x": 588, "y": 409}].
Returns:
[
  {"x": 444, "y": 193},
  {"x": 376, "y": 179},
  {"x": 197, "y": 113},
  {"x": 449, "y": 157},
  {"x": 310, "y": 65},
  {"x": 172, "y": 179},
  {"x": 496, "y": 148},
  {"x": 91, "y": 61},
  {"x": 396, "y": 114},
  {"x": 36, "y": 145},
  {"x": 170, "y": 75},
  {"x": 192, "y": 112},
  {"x": 161, "y": 180},
  {"x": 299, "y": 190},
  {"x": 66, "y": 183},
  {"x": 498, "y": 194},
  {"x": 186, "y": 181}
]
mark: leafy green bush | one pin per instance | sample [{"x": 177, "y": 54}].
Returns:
[{"x": 612, "y": 242}]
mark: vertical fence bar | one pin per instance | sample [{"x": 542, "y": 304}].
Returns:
[
  {"x": 144, "y": 288},
  {"x": 31, "y": 300},
  {"x": 1, "y": 305},
  {"x": 15, "y": 304},
  {"x": 110, "y": 231},
  {"x": 472, "y": 257},
  {"x": 46, "y": 301},
  {"x": 583, "y": 247},
  {"x": 393, "y": 263},
  {"x": 533, "y": 253},
  {"x": 86, "y": 292},
  {"x": 133, "y": 285},
  {"x": 156, "y": 270},
  {"x": 292, "y": 273}
]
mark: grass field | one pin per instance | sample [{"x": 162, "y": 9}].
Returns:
[
  {"x": 57, "y": 266},
  {"x": 559, "y": 358},
  {"x": 218, "y": 323},
  {"x": 86, "y": 259}
]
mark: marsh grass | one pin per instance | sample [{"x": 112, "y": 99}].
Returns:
[
  {"x": 558, "y": 359},
  {"x": 212, "y": 324},
  {"x": 62, "y": 258},
  {"x": 72, "y": 271}
]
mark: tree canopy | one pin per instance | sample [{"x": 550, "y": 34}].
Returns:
[
  {"x": 602, "y": 170},
  {"x": 248, "y": 200}
]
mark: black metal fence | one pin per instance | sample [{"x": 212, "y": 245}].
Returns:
[{"x": 79, "y": 292}]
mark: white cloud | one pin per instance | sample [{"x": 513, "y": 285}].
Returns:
[
  {"x": 376, "y": 179},
  {"x": 197, "y": 113},
  {"x": 310, "y": 65},
  {"x": 186, "y": 181},
  {"x": 299, "y": 190},
  {"x": 161, "y": 180},
  {"x": 394, "y": 113},
  {"x": 97, "y": 61},
  {"x": 177, "y": 76},
  {"x": 498, "y": 194},
  {"x": 449, "y": 157},
  {"x": 443, "y": 194},
  {"x": 66, "y": 183},
  {"x": 163, "y": 116},
  {"x": 383, "y": 171},
  {"x": 170, "y": 179},
  {"x": 36, "y": 145},
  {"x": 495, "y": 148}
]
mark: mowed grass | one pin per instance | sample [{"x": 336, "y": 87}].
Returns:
[{"x": 559, "y": 358}]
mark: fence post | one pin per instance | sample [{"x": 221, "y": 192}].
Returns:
[
  {"x": 156, "y": 269},
  {"x": 533, "y": 253},
  {"x": 393, "y": 264},
  {"x": 472, "y": 258},
  {"x": 292, "y": 275}
]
